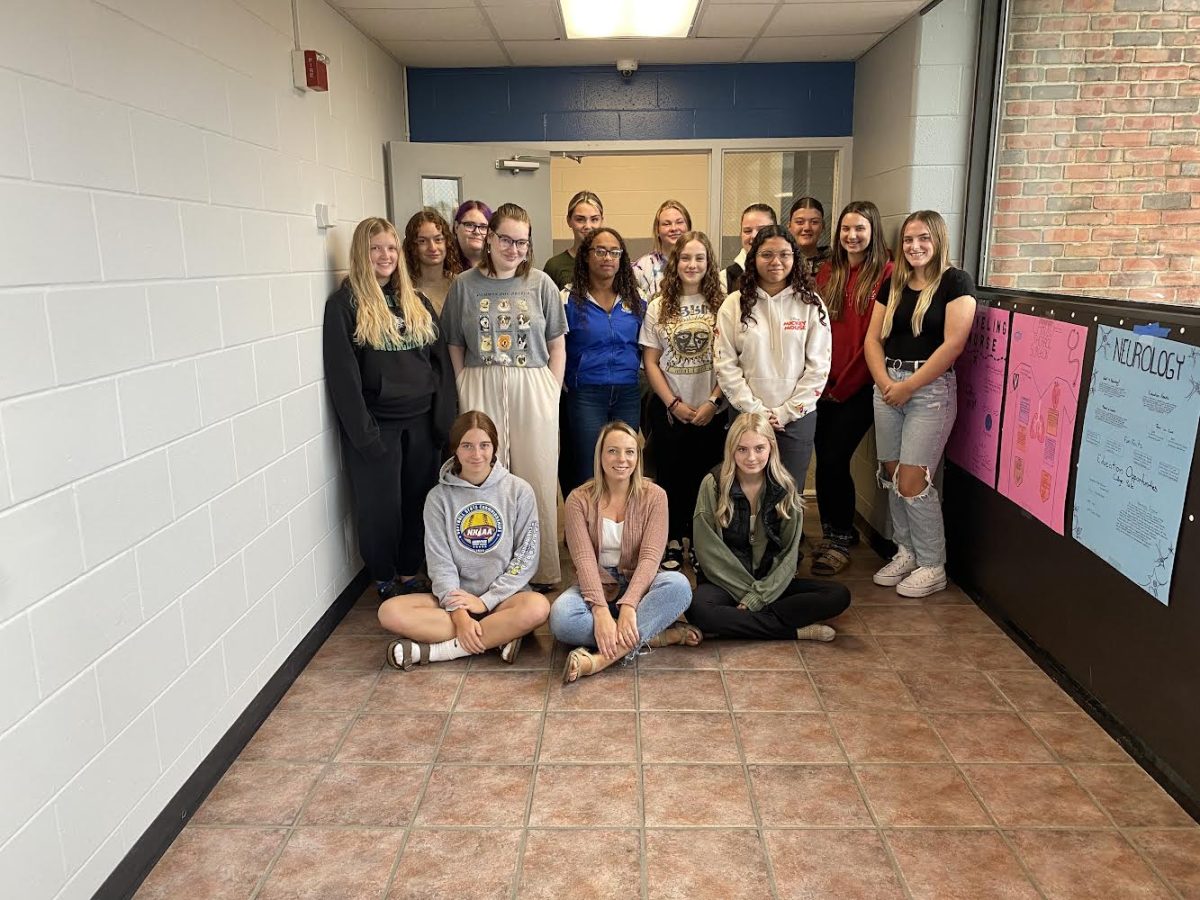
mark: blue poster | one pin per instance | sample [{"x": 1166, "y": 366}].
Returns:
[{"x": 1139, "y": 433}]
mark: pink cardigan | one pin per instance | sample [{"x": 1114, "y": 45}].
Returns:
[{"x": 642, "y": 544}]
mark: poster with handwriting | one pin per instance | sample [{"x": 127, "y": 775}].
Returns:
[
  {"x": 975, "y": 441},
  {"x": 1135, "y": 455},
  {"x": 1041, "y": 402}
]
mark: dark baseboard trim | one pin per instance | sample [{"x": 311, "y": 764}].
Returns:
[
  {"x": 1144, "y": 756},
  {"x": 129, "y": 874}
]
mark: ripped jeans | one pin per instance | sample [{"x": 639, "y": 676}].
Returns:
[{"x": 915, "y": 434}]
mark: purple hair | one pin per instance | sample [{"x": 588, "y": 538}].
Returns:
[{"x": 467, "y": 205}]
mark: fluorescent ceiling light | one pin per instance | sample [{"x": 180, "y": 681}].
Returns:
[{"x": 628, "y": 18}]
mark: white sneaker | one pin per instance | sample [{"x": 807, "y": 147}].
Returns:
[
  {"x": 923, "y": 581},
  {"x": 904, "y": 562}
]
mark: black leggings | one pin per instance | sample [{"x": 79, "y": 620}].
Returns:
[
  {"x": 840, "y": 429},
  {"x": 802, "y": 602},
  {"x": 389, "y": 497},
  {"x": 685, "y": 454}
]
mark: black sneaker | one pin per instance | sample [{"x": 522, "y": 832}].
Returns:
[{"x": 672, "y": 560}]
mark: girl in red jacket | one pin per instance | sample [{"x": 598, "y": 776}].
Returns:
[{"x": 849, "y": 282}]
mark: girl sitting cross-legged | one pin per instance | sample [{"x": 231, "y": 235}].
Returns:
[
  {"x": 616, "y": 532},
  {"x": 747, "y": 529},
  {"x": 481, "y": 550}
]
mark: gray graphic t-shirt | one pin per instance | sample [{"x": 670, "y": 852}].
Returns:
[
  {"x": 503, "y": 321},
  {"x": 687, "y": 347}
]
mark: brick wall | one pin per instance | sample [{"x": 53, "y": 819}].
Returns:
[{"x": 1097, "y": 188}]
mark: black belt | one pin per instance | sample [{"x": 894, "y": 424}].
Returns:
[{"x": 903, "y": 365}]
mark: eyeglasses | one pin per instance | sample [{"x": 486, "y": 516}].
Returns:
[
  {"x": 474, "y": 227},
  {"x": 771, "y": 256},
  {"x": 508, "y": 243},
  {"x": 606, "y": 252}
]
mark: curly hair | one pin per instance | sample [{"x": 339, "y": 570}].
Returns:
[
  {"x": 623, "y": 282},
  {"x": 671, "y": 289},
  {"x": 799, "y": 279},
  {"x": 451, "y": 265}
]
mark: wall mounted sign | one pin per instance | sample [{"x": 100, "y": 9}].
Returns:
[{"x": 1135, "y": 455}]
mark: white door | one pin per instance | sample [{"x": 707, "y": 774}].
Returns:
[{"x": 474, "y": 167}]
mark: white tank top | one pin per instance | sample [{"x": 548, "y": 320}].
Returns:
[{"x": 610, "y": 543}]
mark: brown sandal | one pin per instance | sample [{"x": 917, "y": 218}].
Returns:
[
  {"x": 830, "y": 559},
  {"x": 408, "y": 658},
  {"x": 683, "y": 634}
]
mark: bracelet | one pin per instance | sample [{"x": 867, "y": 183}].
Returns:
[
  {"x": 671, "y": 406},
  {"x": 716, "y": 403}
]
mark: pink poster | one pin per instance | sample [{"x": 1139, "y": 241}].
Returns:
[
  {"x": 975, "y": 442},
  {"x": 1045, "y": 362}
]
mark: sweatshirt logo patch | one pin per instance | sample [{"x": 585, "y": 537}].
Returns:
[
  {"x": 794, "y": 325},
  {"x": 479, "y": 527}
]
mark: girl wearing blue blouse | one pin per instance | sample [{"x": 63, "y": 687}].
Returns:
[{"x": 604, "y": 315}]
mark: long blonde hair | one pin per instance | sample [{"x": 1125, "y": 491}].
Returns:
[
  {"x": 903, "y": 271},
  {"x": 374, "y": 323},
  {"x": 669, "y": 204},
  {"x": 597, "y": 488},
  {"x": 756, "y": 423}
]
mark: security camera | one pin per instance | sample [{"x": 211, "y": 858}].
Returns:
[{"x": 627, "y": 66}]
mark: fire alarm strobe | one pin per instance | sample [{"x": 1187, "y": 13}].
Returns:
[{"x": 310, "y": 70}]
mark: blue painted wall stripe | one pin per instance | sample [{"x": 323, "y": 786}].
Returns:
[{"x": 749, "y": 100}]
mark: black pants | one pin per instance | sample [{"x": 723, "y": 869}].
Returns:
[
  {"x": 389, "y": 497},
  {"x": 802, "y": 602},
  {"x": 840, "y": 429},
  {"x": 685, "y": 455}
]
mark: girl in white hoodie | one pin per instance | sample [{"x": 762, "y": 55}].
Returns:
[
  {"x": 774, "y": 346},
  {"x": 481, "y": 550}
]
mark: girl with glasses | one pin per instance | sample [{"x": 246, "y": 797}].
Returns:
[
  {"x": 431, "y": 256},
  {"x": 504, "y": 324},
  {"x": 677, "y": 347},
  {"x": 585, "y": 213},
  {"x": 774, "y": 346},
  {"x": 391, "y": 385},
  {"x": 850, "y": 281},
  {"x": 604, "y": 314},
  {"x": 918, "y": 328},
  {"x": 470, "y": 231}
]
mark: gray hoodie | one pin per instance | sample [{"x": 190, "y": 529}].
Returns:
[{"x": 481, "y": 538}]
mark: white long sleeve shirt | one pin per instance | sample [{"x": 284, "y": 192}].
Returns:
[{"x": 778, "y": 362}]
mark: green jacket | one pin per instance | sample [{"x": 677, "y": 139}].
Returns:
[{"x": 725, "y": 570}]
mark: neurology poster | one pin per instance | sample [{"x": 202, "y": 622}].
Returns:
[
  {"x": 1139, "y": 434},
  {"x": 1041, "y": 401},
  {"x": 975, "y": 442}
]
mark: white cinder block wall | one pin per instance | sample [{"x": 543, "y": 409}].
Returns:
[
  {"x": 172, "y": 515},
  {"x": 913, "y": 103}
]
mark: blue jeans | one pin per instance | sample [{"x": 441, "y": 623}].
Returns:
[
  {"x": 669, "y": 595},
  {"x": 590, "y": 408},
  {"x": 915, "y": 434}
]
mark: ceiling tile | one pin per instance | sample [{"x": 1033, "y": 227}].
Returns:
[
  {"x": 421, "y": 24},
  {"x": 743, "y": 20},
  {"x": 447, "y": 54},
  {"x": 663, "y": 51},
  {"x": 524, "y": 20},
  {"x": 867, "y": 17},
  {"x": 811, "y": 49},
  {"x": 402, "y": 4}
]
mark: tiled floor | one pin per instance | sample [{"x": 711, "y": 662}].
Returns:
[{"x": 919, "y": 755}]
